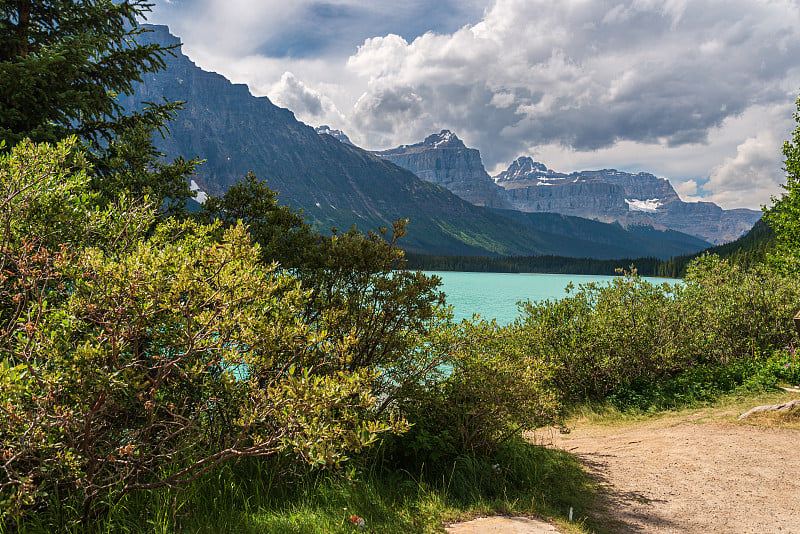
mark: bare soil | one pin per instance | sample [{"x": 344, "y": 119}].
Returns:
[{"x": 691, "y": 473}]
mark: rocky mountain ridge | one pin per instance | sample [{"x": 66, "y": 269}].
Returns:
[
  {"x": 444, "y": 160},
  {"x": 610, "y": 195},
  {"x": 607, "y": 195},
  {"x": 339, "y": 135}
]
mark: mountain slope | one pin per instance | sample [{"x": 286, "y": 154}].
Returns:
[
  {"x": 748, "y": 250},
  {"x": 335, "y": 184}
]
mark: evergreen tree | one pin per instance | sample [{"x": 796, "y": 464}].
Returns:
[
  {"x": 62, "y": 65},
  {"x": 62, "y": 62},
  {"x": 784, "y": 216}
]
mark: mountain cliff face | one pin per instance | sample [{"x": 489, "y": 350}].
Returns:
[
  {"x": 338, "y": 185},
  {"x": 611, "y": 195},
  {"x": 444, "y": 160}
]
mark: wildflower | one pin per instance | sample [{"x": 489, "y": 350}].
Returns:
[{"x": 358, "y": 521}]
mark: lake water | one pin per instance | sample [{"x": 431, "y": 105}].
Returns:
[{"x": 495, "y": 295}]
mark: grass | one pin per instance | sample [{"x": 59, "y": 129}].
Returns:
[
  {"x": 248, "y": 498},
  {"x": 725, "y": 408},
  {"x": 520, "y": 479},
  {"x": 527, "y": 480},
  {"x": 789, "y": 420}
]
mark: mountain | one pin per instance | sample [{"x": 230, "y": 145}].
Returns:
[
  {"x": 611, "y": 195},
  {"x": 444, "y": 160},
  {"x": 338, "y": 185}
]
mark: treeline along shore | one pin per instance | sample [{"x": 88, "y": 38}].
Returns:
[{"x": 531, "y": 264}]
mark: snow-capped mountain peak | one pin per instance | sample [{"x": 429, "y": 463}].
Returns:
[{"x": 444, "y": 139}]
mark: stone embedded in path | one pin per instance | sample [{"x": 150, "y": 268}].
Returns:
[
  {"x": 502, "y": 525},
  {"x": 783, "y": 407}
]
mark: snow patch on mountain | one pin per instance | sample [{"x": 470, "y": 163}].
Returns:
[
  {"x": 649, "y": 206},
  {"x": 445, "y": 137},
  {"x": 200, "y": 195}
]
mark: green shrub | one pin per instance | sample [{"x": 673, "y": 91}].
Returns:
[
  {"x": 605, "y": 337},
  {"x": 740, "y": 312},
  {"x": 359, "y": 292},
  {"x": 639, "y": 344},
  {"x": 492, "y": 393},
  {"x": 136, "y": 356}
]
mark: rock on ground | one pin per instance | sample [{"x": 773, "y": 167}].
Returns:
[{"x": 502, "y": 525}]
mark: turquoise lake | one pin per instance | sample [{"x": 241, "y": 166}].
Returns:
[{"x": 495, "y": 295}]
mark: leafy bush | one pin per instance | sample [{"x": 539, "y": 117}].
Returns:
[
  {"x": 491, "y": 394},
  {"x": 631, "y": 341},
  {"x": 740, "y": 312},
  {"x": 606, "y": 337},
  {"x": 133, "y": 362},
  {"x": 784, "y": 215},
  {"x": 359, "y": 291}
]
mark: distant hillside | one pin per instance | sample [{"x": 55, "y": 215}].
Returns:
[
  {"x": 605, "y": 241},
  {"x": 749, "y": 249},
  {"x": 339, "y": 185}
]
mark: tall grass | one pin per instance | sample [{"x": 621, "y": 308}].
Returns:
[{"x": 247, "y": 497}]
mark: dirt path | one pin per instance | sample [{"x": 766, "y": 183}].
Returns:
[{"x": 693, "y": 474}]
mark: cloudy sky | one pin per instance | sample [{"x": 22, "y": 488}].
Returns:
[{"x": 698, "y": 91}]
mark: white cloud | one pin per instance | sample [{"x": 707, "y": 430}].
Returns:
[
  {"x": 751, "y": 176},
  {"x": 311, "y": 105},
  {"x": 688, "y": 191},
  {"x": 635, "y": 73}
]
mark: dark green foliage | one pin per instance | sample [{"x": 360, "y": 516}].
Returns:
[
  {"x": 358, "y": 288},
  {"x": 130, "y": 165},
  {"x": 532, "y": 264},
  {"x": 61, "y": 64},
  {"x": 282, "y": 232}
]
